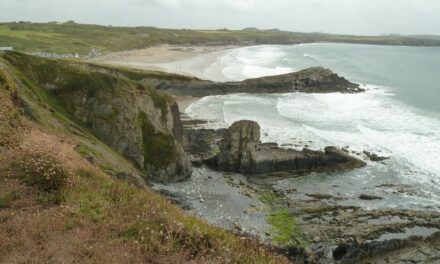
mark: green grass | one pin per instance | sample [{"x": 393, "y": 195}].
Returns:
[
  {"x": 160, "y": 101},
  {"x": 25, "y": 34},
  {"x": 80, "y": 38},
  {"x": 287, "y": 231},
  {"x": 86, "y": 151}
]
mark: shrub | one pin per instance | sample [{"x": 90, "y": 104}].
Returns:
[{"x": 41, "y": 168}]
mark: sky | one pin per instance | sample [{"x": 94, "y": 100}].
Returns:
[{"x": 359, "y": 17}]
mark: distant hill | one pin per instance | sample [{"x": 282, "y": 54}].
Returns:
[
  {"x": 434, "y": 37},
  {"x": 71, "y": 37}
]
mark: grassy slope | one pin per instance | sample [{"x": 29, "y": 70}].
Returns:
[
  {"x": 99, "y": 219},
  {"x": 71, "y": 37}
]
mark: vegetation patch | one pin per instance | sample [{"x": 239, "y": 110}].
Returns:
[
  {"x": 86, "y": 151},
  {"x": 160, "y": 101},
  {"x": 288, "y": 232},
  {"x": 159, "y": 148},
  {"x": 41, "y": 168}
]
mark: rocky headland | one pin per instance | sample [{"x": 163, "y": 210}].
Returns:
[{"x": 312, "y": 80}]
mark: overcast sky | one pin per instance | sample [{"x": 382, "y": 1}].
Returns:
[{"x": 332, "y": 16}]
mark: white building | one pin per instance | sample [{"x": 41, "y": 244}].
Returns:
[{"x": 6, "y": 48}]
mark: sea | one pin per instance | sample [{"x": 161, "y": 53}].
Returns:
[{"x": 398, "y": 116}]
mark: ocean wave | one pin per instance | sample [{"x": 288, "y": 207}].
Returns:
[
  {"x": 253, "y": 62},
  {"x": 373, "y": 121},
  {"x": 310, "y": 56}
]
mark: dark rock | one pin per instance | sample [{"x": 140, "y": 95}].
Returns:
[
  {"x": 374, "y": 156},
  {"x": 241, "y": 151},
  {"x": 202, "y": 144},
  {"x": 369, "y": 197},
  {"x": 320, "y": 196}
]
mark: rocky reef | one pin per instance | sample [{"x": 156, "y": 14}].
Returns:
[
  {"x": 312, "y": 80},
  {"x": 241, "y": 151}
]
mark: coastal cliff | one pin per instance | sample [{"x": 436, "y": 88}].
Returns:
[{"x": 137, "y": 121}]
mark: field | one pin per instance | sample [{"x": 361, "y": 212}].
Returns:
[{"x": 71, "y": 37}]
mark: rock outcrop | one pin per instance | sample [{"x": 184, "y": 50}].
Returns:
[
  {"x": 142, "y": 124},
  {"x": 241, "y": 151},
  {"x": 312, "y": 80}
]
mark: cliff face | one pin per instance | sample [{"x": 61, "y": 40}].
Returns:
[
  {"x": 137, "y": 121},
  {"x": 312, "y": 80}
]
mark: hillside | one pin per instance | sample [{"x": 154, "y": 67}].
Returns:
[
  {"x": 72, "y": 193},
  {"x": 70, "y": 38}
]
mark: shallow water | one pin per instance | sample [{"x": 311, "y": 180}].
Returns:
[{"x": 398, "y": 116}]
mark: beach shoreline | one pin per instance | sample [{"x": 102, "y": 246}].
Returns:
[{"x": 178, "y": 59}]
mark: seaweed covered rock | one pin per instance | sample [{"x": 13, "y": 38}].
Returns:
[{"x": 241, "y": 151}]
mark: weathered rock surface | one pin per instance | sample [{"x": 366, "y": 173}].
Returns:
[
  {"x": 241, "y": 151},
  {"x": 133, "y": 123},
  {"x": 202, "y": 144},
  {"x": 312, "y": 80}
]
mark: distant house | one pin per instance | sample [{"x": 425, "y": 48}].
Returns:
[{"x": 6, "y": 48}]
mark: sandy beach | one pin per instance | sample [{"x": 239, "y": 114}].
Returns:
[{"x": 185, "y": 60}]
